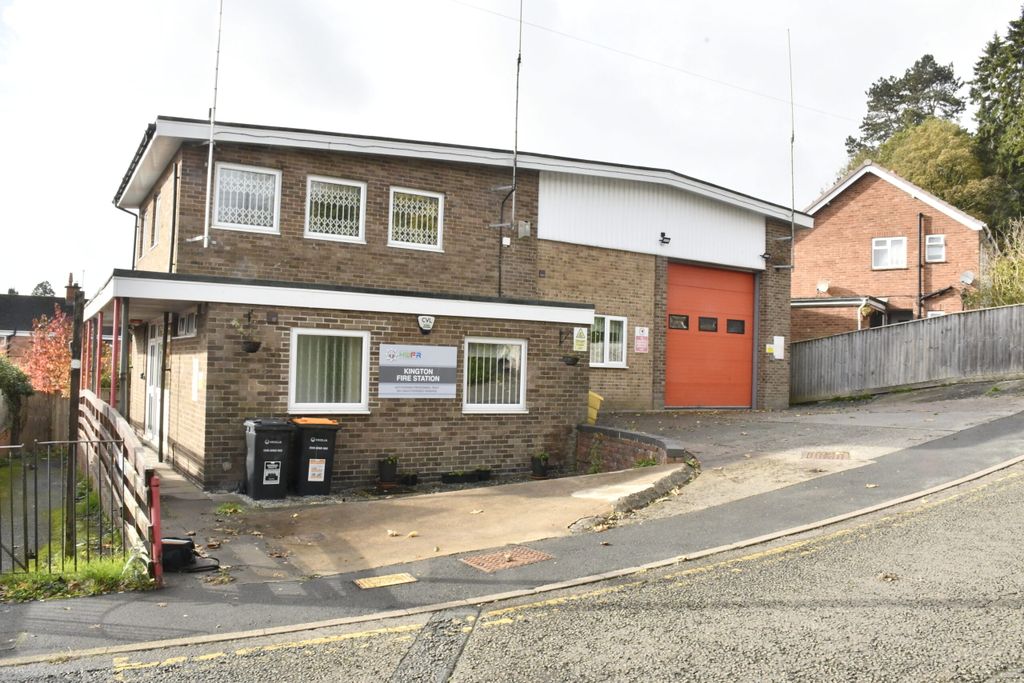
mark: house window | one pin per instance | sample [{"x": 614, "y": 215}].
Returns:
[
  {"x": 608, "y": 342},
  {"x": 329, "y": 371},
  {"x": 934, "y": 248},
  {"x": 335, "y": 209},
  {"x": 888, "y": 252},
  {"x": 495, "y": 376},
  {"x": 935, "y": 314},
  {"x": 186, "y": 326},
  {"x": 247, "y": 198},
  {"x": 416, "y": 219},
  {"x": 154, "y": 230},
  {"x": 142, "y": 231}
]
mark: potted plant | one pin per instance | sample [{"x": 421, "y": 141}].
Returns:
[
  {"x": 248, "y": 331},
  {"x": 539, "y": 466},
  {"x": 387, "y": 469},
  {"x": 483, "y": 473}
]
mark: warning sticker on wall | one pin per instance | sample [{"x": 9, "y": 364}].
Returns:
[
  {"x": 579, "y": 339},
  {"x": 271, "y": 472},
  {"x": 641, "y": 339},
  {"x": 317, "y": 469}
]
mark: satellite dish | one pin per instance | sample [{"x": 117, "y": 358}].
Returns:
[
  {"x": 967, "y": 277},
  {"x": 822, "y": 286}
]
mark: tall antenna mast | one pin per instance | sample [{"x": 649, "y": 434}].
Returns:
[
  {"x": 213, "y": 117},
  {"x": 792, "y": 156},
  {"x": 515, "y": 126}
]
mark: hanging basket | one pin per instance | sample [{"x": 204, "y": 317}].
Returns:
[{"x": 251, "y": 346}]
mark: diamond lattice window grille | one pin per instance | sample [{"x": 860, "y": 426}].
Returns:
[
  {"x": 415, "y": 218},
  {"x": 246, "y": 197},
  {"x": 334, "y": 209}
]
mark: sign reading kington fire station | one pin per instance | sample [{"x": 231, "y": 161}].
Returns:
[{"x": 416, "y": 371}]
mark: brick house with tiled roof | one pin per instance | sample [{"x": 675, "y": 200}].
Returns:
[{"x": 882, "y": 250}]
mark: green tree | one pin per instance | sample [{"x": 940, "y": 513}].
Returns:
[
  {"x": 14, "y": 389},
  {"x": 1002, "y": 282},
  {"x": 925, "y": 90},
  {"x": 942, "y": 157},
  {"x": 44, "y": 288},
  {"x": 998, "y": 93}
]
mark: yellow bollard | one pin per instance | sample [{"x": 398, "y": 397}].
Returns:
[{"x": 594, "y": 401}]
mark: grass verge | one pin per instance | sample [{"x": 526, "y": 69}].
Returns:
[{"x": 108, "y": 575}]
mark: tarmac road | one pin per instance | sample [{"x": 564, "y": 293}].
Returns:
[{"x": 933, "y": 590}]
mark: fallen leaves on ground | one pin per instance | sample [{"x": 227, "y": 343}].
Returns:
[
  {"x": 392, "y": 532},
  {"x": 475, "y": 512},
  {"x": 412, "y": 534},
  {"x": 871, "y": 486}
]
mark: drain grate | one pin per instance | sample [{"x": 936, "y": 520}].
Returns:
[
  {"x": 826, "y": 455},
  {"x": 515, "y": 556},
  {"x": 386, "y": 580}
]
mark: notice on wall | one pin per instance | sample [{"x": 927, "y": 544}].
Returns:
[
  {"x": 417, "y": 371},
  {"x": 579, "y": 339},
  {"x": 641, "y": 339},
  {"x": 317, "y": 469},
  {"x": 779, "y": 348},
  {"x": 271, "y": 472}
]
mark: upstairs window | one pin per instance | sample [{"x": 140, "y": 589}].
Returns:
[
  {"x": 416, "y": 219},
  {"x": 888, "y": 252},
  {"x": 934, "y": 248},
  {"x": 186, "y": 325},
  {"x": 608, "y": 342},
  {"x": 154, "y": 229},
  {"x": 247, "y": 198},
  {"x": 335, "y": 209}
]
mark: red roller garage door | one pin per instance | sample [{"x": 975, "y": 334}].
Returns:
[{"x": 709, "y": 342}]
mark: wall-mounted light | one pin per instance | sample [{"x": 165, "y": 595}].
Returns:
[
  {"x": 426, "y": 323},
  {"x": 664, "y": 239},
  {"x": 766, "y": 256}
]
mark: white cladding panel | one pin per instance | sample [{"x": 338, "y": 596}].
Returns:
[{"x": 628, "y": 215}]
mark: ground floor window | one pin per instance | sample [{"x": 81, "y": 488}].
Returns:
[
  {"x": 329, "y": 371},
  {"x": 495, "y": 375},
  {"x": 608, "y": 342}
]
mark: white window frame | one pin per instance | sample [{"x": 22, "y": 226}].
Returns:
[
  {"x": 888, "y": 242},
  {"x": 625, "y": 342},
  {"x": 439, "y": 247},
  {"x": 154, "y": 236},
  {"x": 241, "y": 227},
  {"x": 934, "y": 314},
  {"x": 362, "y": 407},
  {"x": 492, "y": 408},
  {"x": 358, "y": 239},
  {"x": 184, "y": 315},
  {"x": 935, "y": 241}
]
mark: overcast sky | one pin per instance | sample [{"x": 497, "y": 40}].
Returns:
[{"x": 698, "y": 87}]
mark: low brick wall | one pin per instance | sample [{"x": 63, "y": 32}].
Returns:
[{"x": 606, "y": 449}]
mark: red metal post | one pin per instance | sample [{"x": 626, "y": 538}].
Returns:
[
  {"x": 115, "y": 353},
  {"x": 154, "y": 517},
  {"x": 99, "y": 356}
]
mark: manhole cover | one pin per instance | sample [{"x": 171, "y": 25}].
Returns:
[
  {"x": 516, "y": 556},
  {"x": 827, "y": 455}
]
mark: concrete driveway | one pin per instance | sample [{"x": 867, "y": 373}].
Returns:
[{"x": 744, "y": 453}]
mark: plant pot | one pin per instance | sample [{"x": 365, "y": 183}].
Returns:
[
  {"x": 483, "y": 474},
  {"x": 388, "y": 471},
  {"x": 408, "y": 479},
  {"x": 538, "y": 468},
  {"x": 458, "y": 477},
  {"x": 251, "y": 346}
]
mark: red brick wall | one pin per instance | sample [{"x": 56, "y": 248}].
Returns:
[
  {"x": 468, "y": 265},
  {"x": 811, "y": 323},
  {"x": 429, "y": 436},
  {"x": 838, "y": 248}
]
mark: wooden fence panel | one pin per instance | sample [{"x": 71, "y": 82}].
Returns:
[{"x": 985, "y": 344}]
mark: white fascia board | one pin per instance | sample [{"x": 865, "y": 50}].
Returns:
[
  {"x": 15, "y": 333},
  {"x": 100, "y": 301},
  {"x": 911, "y": 189},
  {"x": 299, "y": 297},
  {"x": 190, "y": 130}
]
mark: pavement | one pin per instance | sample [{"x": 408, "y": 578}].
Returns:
[{"x": 895, "y": 447}]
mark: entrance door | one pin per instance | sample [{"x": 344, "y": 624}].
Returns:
[
  {"x": 709, "y": 338},
  {"x": 154, "y": 354}
]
